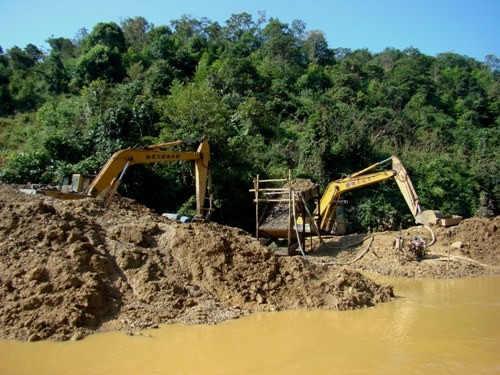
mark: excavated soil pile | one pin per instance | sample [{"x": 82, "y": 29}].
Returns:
[
  {"x": 469, "y": 249},
  {"x": 68, "y": 268}
]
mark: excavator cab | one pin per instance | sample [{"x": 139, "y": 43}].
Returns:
[{"x": 76, "y": 183}]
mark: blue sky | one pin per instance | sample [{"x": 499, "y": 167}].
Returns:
[{"x": 466, "y": 27}]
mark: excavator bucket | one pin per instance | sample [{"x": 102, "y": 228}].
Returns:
[{"x": 428, "y": 217}]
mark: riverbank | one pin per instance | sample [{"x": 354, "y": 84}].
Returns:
[
  {"x": 71, "y": 268},
  {"x": 470, "y": 249}
]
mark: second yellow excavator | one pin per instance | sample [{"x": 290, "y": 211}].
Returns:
[
  {"x": 326, "y": 209},
  {"x": 287, "y": 208}
]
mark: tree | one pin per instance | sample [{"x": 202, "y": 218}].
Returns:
[
  {"x": 411, "y": 73},
  {"x": 315, "y": 79},
  {"x": 56, "y": 75},
  {"x": 63, "y": 47},
  {"x": 241, "y": 35},
  {"x": 493, "y": 63},
  {"x": 317, "y": 49},
  {"x": 444, "y": 183},
  {"x": 80, "y": 38},
  {"x": 194, "y": 110},
  {"x": 159, "y": 78},
  {"x": 234, "y": 75},
  {"x": 99, "y": 62},
  {"x": 27, "y": 89},
  {"x": 107, "y": 34},
  {"x": 190, "y": 42},
  {"x": 136, "y": 32},
  {"x": 388, "y": 58},
  {"x": 282, "y": 48},
  {"x": 5, "y": 97},
  {"x": 161, "y": 46},
  {"x": 21, "y": 60}
]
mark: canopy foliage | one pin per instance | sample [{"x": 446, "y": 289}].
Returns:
[{"x": 270, "y": 96}]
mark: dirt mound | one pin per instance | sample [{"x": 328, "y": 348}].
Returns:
[
  {"x": 469, "y": 249},
  {"x": 68, "y": 268},
  {"x": 477, "y": 238}
]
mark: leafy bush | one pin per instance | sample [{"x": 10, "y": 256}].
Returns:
[{"x": 28, "y": 167}]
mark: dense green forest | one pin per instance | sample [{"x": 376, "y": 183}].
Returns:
[{"x": 270, "y": 96}]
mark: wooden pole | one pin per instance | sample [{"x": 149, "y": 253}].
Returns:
[
  {"x": 289, "y": 214},
  {"x": 449, "y": 248},
  {"x": 256, "y": 187}
]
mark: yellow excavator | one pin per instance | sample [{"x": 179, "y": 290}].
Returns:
[
  {"x": 106, "y": 183},
  {"x": 287, "y": 212},
  {"x": 327, "y": 207}
]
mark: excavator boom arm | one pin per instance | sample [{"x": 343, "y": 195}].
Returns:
[
  {"x": 327, "y": 204},
  {"x": 336, "y": 188},
  {"x": 406, "y": 186},
  {"x": 128, "y": 157},
  {"x": 107, "y": 181}
]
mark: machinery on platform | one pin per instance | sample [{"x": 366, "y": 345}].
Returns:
[
  {"x": 288, "y": 212},
  {"x": 106, "y": 183}
]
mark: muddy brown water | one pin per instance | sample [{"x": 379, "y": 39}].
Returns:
[{"x": 434, "y": 326}]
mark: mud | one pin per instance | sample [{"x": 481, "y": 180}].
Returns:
[
  {"x": 470, "y": 249},
  {"x": 71, "y": 268}
]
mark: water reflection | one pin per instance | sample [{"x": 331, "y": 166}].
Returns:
[{"x": 434, "y": 326}]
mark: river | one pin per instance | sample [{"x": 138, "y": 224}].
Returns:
[{"x": 432, "y": 327}]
